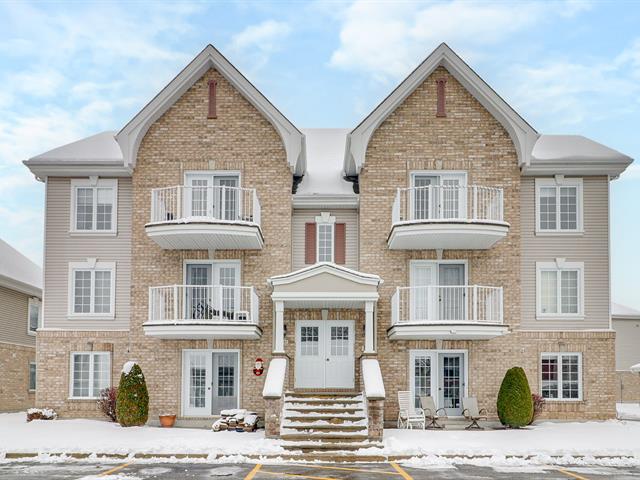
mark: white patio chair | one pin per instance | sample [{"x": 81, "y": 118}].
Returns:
[{"x": 408, "y": 415}]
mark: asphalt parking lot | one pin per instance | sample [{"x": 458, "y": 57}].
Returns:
[{"x": 382, "y": 471}]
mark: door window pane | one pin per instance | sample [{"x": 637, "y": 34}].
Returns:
[
  {"x": 226, "y": 375},
  {"x": 340, "y": 341},
  {"x": 199, "y": 197},
  {"x": 228, "y": 198},
  {"x": 84, "y": 209},
  {"x": 451, "y": 297},
  {"x": 423, "y": 194},
  {"x": 451, "y": 381},
  {"x": 450, "y": 198},
  {"x": 547, "y": 208},
  {"x": 421, "y": 378},
  {"x": 197, "y": 380},
  {"x": 309, "y": 341}
]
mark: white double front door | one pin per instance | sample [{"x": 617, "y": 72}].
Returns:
[
  {"x": 210, "y": 381},
  {"x": 441, "y": 374},
  {"x": 324, "y": 354}
]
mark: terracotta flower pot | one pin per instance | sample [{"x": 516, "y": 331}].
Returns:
[{"x": 167, "y": 421}]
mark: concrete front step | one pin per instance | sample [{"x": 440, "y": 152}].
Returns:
[
  {"x": 325, "y": 437},
  {"x": 324, "y": 409},
  {"x": 326, "y": 417},
  {"x": 311, "y": 446},
  {"x": 298, "y": 393},
  {"x": 315, "y": 401},
  {"x": 325, "y": 427}
]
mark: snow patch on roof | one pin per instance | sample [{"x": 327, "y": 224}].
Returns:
[
  {"x": 618, "y": 310},
  {"x": 325, "y": 157},
  {"x": 17, "y": 267},
  {"x": 573, "y": 148},
  {"x": 101, "y": 147}
]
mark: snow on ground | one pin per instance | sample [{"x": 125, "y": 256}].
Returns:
[
  {"x": 628, "y": 411},
  {"x": 613, "y": 437},
  {"x": 94, "y": 436}
]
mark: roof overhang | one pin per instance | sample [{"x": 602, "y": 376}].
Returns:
[
  {"x": 13, "y": 284},
  {"x": 582, "y": 167},
  {"x": 325, "y": 285},
  {"x": 133, "y": 132},
  {"x": 325, "y": 201},
  {"x": 521, "y": 133},
  {"x": 44, "y": 169}
]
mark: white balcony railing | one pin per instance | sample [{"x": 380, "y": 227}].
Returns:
[
  {"x": 219, "y": 203},
  {"x": 448, "y": 202},
  {"x": 447, "y": 304},
  {"x": 176, "y": 304}
]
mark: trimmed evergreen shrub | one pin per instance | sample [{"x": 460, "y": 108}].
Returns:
[
  {"x": 132, "y": 401},
  {"x": 515, "y": 406}
]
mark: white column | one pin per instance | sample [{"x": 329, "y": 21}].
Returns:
[
  {"x": 369, "y": 331},
  {"x": 278, "y": 330}
]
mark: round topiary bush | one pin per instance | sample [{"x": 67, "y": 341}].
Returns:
[
  {"x": 132, "y": 402},
  {"x": 515, "y": 407}
]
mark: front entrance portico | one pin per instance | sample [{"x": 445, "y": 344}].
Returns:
[{"x": 325, "y": 349}]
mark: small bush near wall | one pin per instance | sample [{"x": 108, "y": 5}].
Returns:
[
  {"x": 515, "y": 405},
  {"x": 41, "y": 414},
  {"x": 538, "y": 406},
  {"x": 132, "y": 400},
  {"x": 107, "y": 403}
]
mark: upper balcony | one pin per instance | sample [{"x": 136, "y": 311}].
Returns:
[
  {"x": 447, "y": 217},
  {"x": 454, "y": 312},
  {"x": 203, "y": 311},
  {"x": 205, "y": 218}
]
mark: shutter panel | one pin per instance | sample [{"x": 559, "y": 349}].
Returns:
[
  {"x": 339, "y": 243},
  {"x": 309, "y": 243},
  {"x": 212, "y": 100}
]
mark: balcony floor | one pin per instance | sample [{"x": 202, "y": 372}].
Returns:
[
  {"x": 206, "y": 235},
  {"x": 446, "y": 234},
  {"x": 203, "y": 331},
  {"x": 446, "y": 331}
]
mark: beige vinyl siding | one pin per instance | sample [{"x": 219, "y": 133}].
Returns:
[
  {"x": 348, "y": 217},
  {"x": 590, "y": 247},
  {"x": 627, "y": 342},
  {"x": 14, "y": 315},
  {"x": 62, "y": 248}
]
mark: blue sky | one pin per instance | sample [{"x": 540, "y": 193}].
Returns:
[{"x": 71, "y": 70}]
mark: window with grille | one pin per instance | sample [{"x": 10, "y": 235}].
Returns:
[
  {"x": 560, "y": 289},
  {"x": 94, "y": 206},
  {"x": 90, "y": 373},
  {"x": 559, "y": 205},
  {"x": 309, "y": 341},
  {"x": 92, "y": 289},
  {"x": 561, "y": 376}
]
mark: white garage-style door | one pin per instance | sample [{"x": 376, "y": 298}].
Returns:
[{"x": 324, "y": 354}]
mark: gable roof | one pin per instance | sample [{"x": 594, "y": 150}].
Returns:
[
  {"x": 522, "y": 134},
  {"x": 132, "y": 133},
  {"x": 19, "y": 273}
]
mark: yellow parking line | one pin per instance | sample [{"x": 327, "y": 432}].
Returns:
[
  {"x": 399, "y": 469},
  {"x": 571, "y": 474},
  {"x": 114, "y": 469},
  {"x": 253, "y": 472},
  {"x": 373, "y": 470},
  {"x": 296, "y": 475}
]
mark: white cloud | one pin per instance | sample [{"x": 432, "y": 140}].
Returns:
[
  {"x": 257, "y": 42},
  {"x": 388, "y": 39}
]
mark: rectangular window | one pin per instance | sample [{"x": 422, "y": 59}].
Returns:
[
  {"x": 325, "y": 242},
  {"x": 35, "y": 308},
  {"x": 32, "y": 376},
  {"x": 94, "y": 205},
  {"x": 559, "y": 205},
  {"x": 438, "y": 195},
  {"x": 90, "y": 373},
  {"x": 560, "y": 291},
  {"x": 561, "y": 376},
  {"x": 92, "y": 289}
]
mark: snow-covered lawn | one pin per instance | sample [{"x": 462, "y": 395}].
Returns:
[
  {"x": 93, "y": 436},
  {"x": 608, "y": 438},
  {"x": 628, "y": 411}
]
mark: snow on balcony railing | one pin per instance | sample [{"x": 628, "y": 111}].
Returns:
[
  {"x": 203, "y": 304},
  {"x": 447, "y": 304},
  {"x": 448, "y": 202},
  {"x": 218, "y": 203}
]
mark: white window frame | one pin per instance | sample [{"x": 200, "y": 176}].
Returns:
[
  {"x": 559, "y": 356},
  {"x": 558, "y": 266},
  {"x": 211, "y": 176},
  {"x": 92, "y": 356},
  {"x": 442, "y": 175},
  {"x": 35, "y": 380},
  {"x": 560, "y": 181},
  {"x": 324, "y": 219},
  {"x": 93, "y": 266},
  {"x": 34, "y": 302},
  {"x": 94, "y": 183}
]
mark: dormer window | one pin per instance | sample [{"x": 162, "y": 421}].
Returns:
[{"x": 325, "y": 243}]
